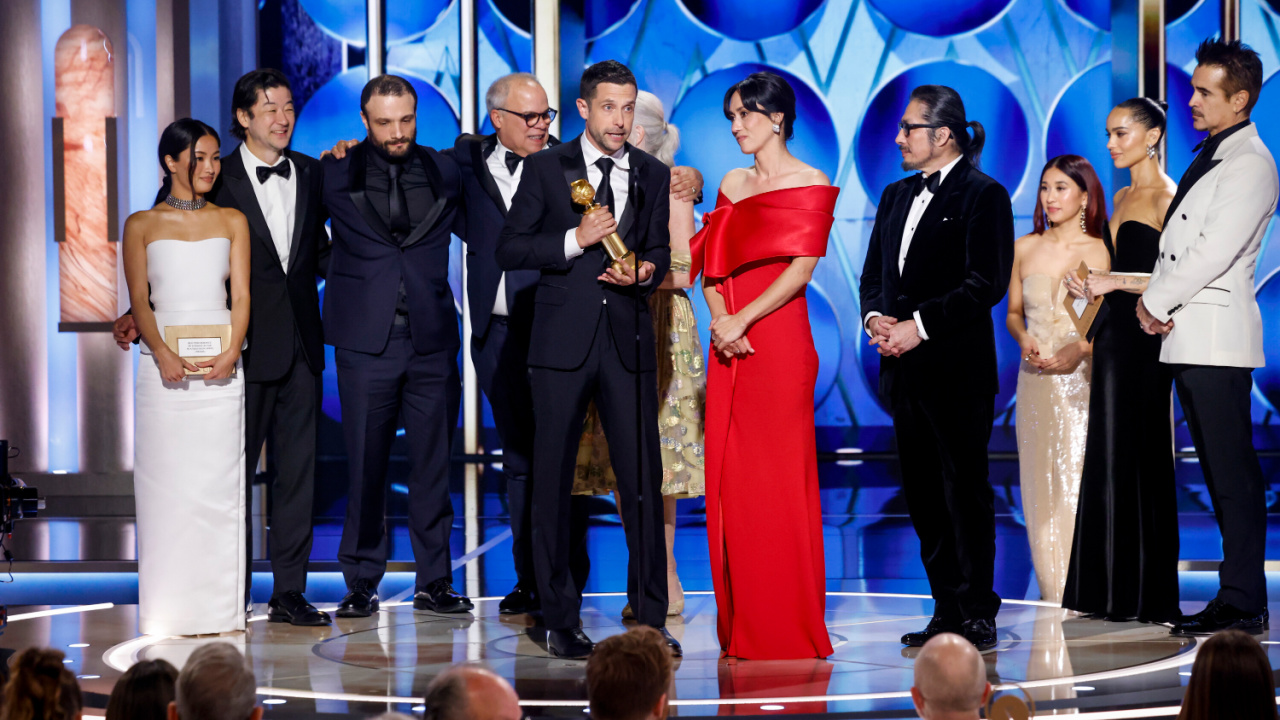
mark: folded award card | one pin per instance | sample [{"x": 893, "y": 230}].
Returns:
[
  {"x": 1081, "y": 311},
  {"x": 198, "y": 343}
]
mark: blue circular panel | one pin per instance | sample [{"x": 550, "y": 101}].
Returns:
[
  {"x": 333, "y": 113},
  {"x": 602, "y": 15},
  {"x": 708, "y": 145},
  {"x": 1098, "y": 12},
  {"x": 986, "y": 100},
  {"x": 941, "y": 19},
  {"x": 345, "y": 19},
  {"x": 762, "y": 20}
]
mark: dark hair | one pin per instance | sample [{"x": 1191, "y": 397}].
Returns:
[
  {"x": 605, "y": 71},
  {"x": 42, "y": 688},
  {"x": 143, "y": 692},
  {"x": 1240, "y": 63},
  {"x": 1231, "y": 678},
  {"x": 766, "y": 93},
  {"x": 392, "y": 85},
  {"x": 245, "y": 95},
  {"x": 943, "y": 107},
  {"x": 1147, "y": 112},
  {"x": 627, "y": 673},
  {"x": 1083, "y": 175},
  {"x": 179, "y": 136}
]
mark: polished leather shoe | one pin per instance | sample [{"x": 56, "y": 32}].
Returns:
[
  {"x": 982, "y": 633},
  {"x": 518, "y": 601},
  {"x": 674, "y": 644},
  {"x": 936, "y": 626},
  {"x": 293, "y": 608},
  {"x": 1218, "y": 616},
  {"x": 440, "y": 597},
  {"x": 571, "y": 643},
  {"x": 360, "y": 601}
]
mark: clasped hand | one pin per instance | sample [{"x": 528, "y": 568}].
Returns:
[
  {"x": 1150, "y": 325},
  {"x": 892, "y": 337},
  {"x": 729, "y": 335},
  {"x": 1092, "y": 287}
]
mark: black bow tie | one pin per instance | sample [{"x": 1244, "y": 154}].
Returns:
[
  {"x": 513, "y": 161},
  {"x": 282, "y": 169},
  {"x": 931, "y": 182}
]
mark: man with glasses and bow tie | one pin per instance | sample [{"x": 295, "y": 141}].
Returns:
[{"x": 938, "y": 260}]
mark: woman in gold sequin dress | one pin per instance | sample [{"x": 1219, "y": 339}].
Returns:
[
  {"x": 682, "y": 382},
  {"x": 1053, "y": 380}
]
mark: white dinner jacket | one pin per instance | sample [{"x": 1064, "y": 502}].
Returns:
[{"x": 1204, "y": 276}]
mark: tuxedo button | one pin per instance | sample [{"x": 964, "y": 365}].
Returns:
[
  {"x": 1162, "y": 256},
  {"x": 1172, "y": 256},
  {"x": 1184, "y": 216}
]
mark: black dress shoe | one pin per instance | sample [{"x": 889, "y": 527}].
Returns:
[
  {"x": 294, "y": 609},
  {"x": 1220, "y": 616},
  {"x": 982, "y": 633},
  {"x": 518, "y": 601},
  {"x": 360, "y": 601},
  {"x": 440, "y": 597},
  {"x": 674, "y": 644},
  {"x": 937, "y": 626},
  {"x": 571, "y": 643}
]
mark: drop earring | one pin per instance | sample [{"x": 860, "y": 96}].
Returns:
[
  {"x": 777, "y": 129},
  {"x": 1083, "y": 227},
  {"x": 1151, "y": 151}
]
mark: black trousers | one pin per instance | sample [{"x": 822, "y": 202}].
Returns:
[
  {"x": 942, "y": 447},
  {"x": 286, "y": 409},
  {"x": 1215, "y": 401},
  {"x": 376, "y": 390},
  {"x": 501, "y": 361},
  {"x": 560, "y": 399}
]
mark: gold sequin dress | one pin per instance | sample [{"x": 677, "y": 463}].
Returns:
[
  {"x": 1053, "y": 420},
  {"x": 683, "y": 383}
]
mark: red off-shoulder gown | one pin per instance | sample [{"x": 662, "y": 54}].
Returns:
[{"x": 764, "y": 520}]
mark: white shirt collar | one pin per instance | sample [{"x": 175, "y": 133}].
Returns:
[
  {"x": 946, "y": 169},
  {"x": 252, "y": 161},
  {"x": 591, "y": 154}
]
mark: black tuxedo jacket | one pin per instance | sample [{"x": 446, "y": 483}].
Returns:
[
  {"x": 483, "y": 216},
  {"x": 957, "y": 268},
  {"x": 282, "y": 305},
  {"x": 568, "y": 296},
  {"x": 367, "y": 265}
]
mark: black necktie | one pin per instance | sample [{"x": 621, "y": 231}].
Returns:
[
  {"x": 513, "y": 162},
  {"x": 604, "y": 193},
  {"x": 931, "y": 182},
  {"x": 282, "y": 169},
  {"x": 396, "y": 202}
]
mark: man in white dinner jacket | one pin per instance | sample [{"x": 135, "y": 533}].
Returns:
[{"x": 1201, "y": 298}]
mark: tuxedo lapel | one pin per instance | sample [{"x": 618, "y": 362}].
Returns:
[
  {"x": 435, "y": 182},
  {"x": 300, "y": 203},
  {"x": 635, "y": 198},
  {"x": 897, "y": 226},
  {"x": 935, "y": 213},
  {"x": 238, "y": 182},
  {"x": 480, "y": 165},
  {"x": 573, "y": 164},
  {"x": 355, "y": 181}
]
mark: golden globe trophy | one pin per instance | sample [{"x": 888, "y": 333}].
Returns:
[{"x": 623, "y": 259}]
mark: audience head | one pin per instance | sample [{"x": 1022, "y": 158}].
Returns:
[
  {"x": 215, "y": 684},
  {"x": 389, "y": 110},
  {"x": 934, "y": 130},
  {"x": 651, "y": 131},
  {"x": 519, "y": 112},
  {"x": 607, "y": 101},
  {"x": 40, "y": 687},
  {"x": 1070, "y": 188},
  {"x": 190, "y": 157},
  {"x": 143, "y": 692},
  {"x": 1231, "y": 678},
  {"x": 1134, "y": 130},
  {"x": 762, "y": 109},
  {"x": 1225, "y": 84},
  {"x": 950, "y": 679},
  {"x": 471, "y": 692},
  {"x": 262, "y": 112},
  {"x": 629, "y": 675}
]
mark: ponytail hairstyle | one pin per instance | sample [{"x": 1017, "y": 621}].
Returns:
[
  {"x": 767, "y": 93},
  {"x": 1148, "y": 113},
  {"x": 661, "y": 138},
  {"x": 41, "y": 688},
  {"x": 1082, "y": 174},
  {"x": 181, "y": 135},
  {"x": 944, "y": 108}
]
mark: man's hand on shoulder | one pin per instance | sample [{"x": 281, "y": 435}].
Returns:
[{"x": 339, "y": 150}]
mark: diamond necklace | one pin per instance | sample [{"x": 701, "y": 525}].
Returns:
[{"x": 186, "y": 204}]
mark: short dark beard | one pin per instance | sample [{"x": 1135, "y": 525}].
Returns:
[{"x": 383, "y": 153}]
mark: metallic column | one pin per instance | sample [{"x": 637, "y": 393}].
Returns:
[
  {"x": 546, "y": 50},
  {"x": 469, "y": 93},
  {"x": 375, "y": 53},
  {"x": 173, "y": 63},
  {"x": 1138, "y": 62},
  {"x": 24, "y": 406},
  {"x": 1230, "y": 19}
]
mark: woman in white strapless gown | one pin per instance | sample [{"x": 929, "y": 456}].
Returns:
[{"x": 189, "y": 430}]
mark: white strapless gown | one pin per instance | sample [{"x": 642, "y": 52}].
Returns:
[{"x": 188, "y": 473}]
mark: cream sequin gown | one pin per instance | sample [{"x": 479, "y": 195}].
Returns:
[{"x": 1053, "y": 418}]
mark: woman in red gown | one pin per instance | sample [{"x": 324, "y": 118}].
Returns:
[{"x": 757, "y": 251}]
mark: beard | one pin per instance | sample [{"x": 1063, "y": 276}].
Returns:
[{"x": 383, "y": 147}]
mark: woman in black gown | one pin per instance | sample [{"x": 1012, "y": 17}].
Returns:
[{"x": 1124, "y": 558}]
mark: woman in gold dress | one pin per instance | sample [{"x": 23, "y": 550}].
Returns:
[{"x": 681, "y": 374}]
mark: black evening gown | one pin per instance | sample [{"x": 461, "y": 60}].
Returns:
[{"x": 1124, "y": 558}]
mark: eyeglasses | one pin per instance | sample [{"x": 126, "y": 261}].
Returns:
[
  {"x": 907, "y": 127},
  {"x": 532, "y": 118}
]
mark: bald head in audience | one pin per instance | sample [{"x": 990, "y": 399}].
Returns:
[
  {"x": 471, "y": 692},
  {"x": 950, "y": 679}
]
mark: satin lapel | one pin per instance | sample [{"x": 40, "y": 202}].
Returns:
[
  {"x": 436, "y": 183},
  {"x": 480, "y": 167},
  {"x": 238, "y": 182},
  {"x": 635, "y": 198},
  {"x": 935, "y": 213},
  {"x": 574, "y": 165},
  {"x": 355, "y": 181},
  {"x": 897, "y": 225},
  {"x": 301, "y": 200}
]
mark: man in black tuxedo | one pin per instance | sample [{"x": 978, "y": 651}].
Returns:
[
  {"x": 279, "y": 192},
  {"x": 938, "y": 260},
  {"x": 389, "y": 315},
  {"x": 592, "y": 338}
]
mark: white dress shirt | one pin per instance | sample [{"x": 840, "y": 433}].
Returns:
[
  {"x": 276, "y": 198},
  {"x": 918, "y": 208},
  {"x": 618, "y": 181},
  {"x": 507, "y": 183}
]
